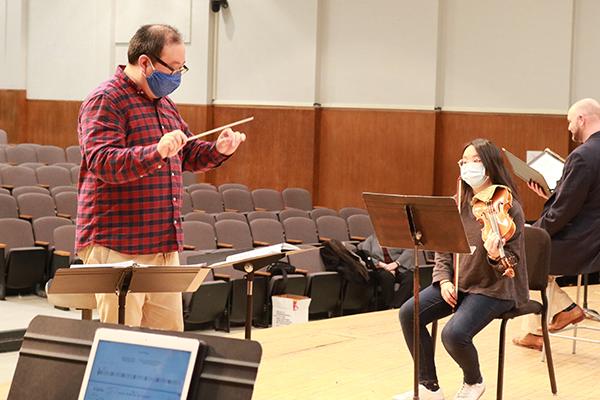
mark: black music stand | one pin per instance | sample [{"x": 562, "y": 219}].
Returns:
[
  {"x": 423, "y": 223},
  {"x": 124, "y": 280},
  {"x": 249, "y": 266}
]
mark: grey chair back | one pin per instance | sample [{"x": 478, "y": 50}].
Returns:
[
  {"x": 293, "y": 212},
  {"x": 200, "y": 216},
  {"x": 207, "y": 201},
  {"x": 226, "y": 186},
  {"x": 230, "y": 215},
  {"x": 236, "y": 233},
  {"x": 360, "y": 225},
  {"x": 18, "y": 176},
  {"x": 332, "y": 227},
  {"x": 300, "y": 228},
  {"x": 201, "y": 186},
  {"x": 199, "y": 234},
  {"x": 66, "y": 203},
  {"x": 36, "y": 205},
  {"x": 20, "y": 154},
  {"x": 267, "y": 230},
  {"x": 8, "y": 206},
  {"x": 43, "y": 228},
  {"x": 73, "y": 154},
  {"x": 346, "y": 212},
  {"x": 267, "y": 199},
  {"x": 52, "y": 176},
  {"x": 238, "y": 200},
  {"x": 49, "y": 154},
  {"x": 297, "y": 198},
  {"x": 322, "y": 211}
]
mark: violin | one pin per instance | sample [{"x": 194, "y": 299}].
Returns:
[{"x": 490, "y": 207}]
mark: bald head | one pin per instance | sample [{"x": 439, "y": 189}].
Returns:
[{"x": 584, "y": 119}]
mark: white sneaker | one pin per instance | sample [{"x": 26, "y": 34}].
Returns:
[
  {"x": 424, "y": 394},
  {"x": 470, "y": 392}
]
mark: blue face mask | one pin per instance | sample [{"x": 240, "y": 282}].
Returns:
[{"x": 163, "y": 84}]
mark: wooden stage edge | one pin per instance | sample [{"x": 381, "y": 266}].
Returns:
[{"x": 364, "y": 357}]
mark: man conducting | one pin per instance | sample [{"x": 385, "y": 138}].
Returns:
[{"x": 134, "y": 149}]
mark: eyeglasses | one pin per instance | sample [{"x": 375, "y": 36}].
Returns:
[
  {"x": 462, "y": 162},
  {"x": 179, "y": 71}
]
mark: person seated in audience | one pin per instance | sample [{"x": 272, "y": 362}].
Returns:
[
  {"x": 571, "y": 216},
  {"x": 484, "y": 292},
  {"x": 391, "y": 266}
]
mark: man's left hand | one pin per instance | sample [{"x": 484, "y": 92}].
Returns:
[{"x": 228, "y": 141}]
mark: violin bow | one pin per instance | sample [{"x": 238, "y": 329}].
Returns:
[{"x": 203, "y": 134}]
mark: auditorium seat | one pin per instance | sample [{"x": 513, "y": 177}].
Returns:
[
  {"x": 360, "y": 226},
  {"x": 332, "y": 227},
  {"x": 35, "y": 205},
  {"x": 64, "y": 248},
  {"x": 3, "y": 137},
  {"x": 198, "y": 236},
  {"x": 293, "y": 212},
  {"x": 267, "y": 199},
  {"x": 20, "y": 154},
  {"x": 186, "y": 203},
  {"x": 320, "y": 212},
  {"x": 238, "y": 200},
  {"x": 207, "y": 201},
  {"x": 73, "y": 154},
  {"x": 201, "y": 186},
  {"x": 75, "y": 175},
  {"x": 300, "y": 230},
  {"x": 22, "y": 263},
  {"x": 16, "y": 192},
  {"x": 66, "y": 204},
  {"x": 252, "y": 215},
  {"x": 34, "y": 165},
  {"x": 233, "y": 234},
  {"x": 200, "y": 216},
  {"x": 188, "y": 178},
  {"x": 60, "y": 189},
  {"x": 226, "y": 186},
  {"x": 43, "y": 228},
  {"x": 49, "y": 154},
  {"x": 348, "y": 211},
  {"x": 53, "y": 175},
  {"x": 8, "y": 206},
  {"x": 297, "y": 198},
  {"x": 230, "y": 215},
  {"x": 208, "y": 304},
  {"x": 15, "y": 176},
  {"x": 267, "y": 231},
  {"x": 66, "y": 165}
]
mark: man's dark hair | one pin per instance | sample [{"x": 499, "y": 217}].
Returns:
[{"x": 150, "y": 40}]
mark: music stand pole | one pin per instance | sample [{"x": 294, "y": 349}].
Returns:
[
  {"x": 417, "y": 236},
  {"x": 249, "y": 268},
  {"x": 122, "y": 290}
]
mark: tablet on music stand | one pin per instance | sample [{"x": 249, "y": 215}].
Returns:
[{"x": 127, "y": 364}]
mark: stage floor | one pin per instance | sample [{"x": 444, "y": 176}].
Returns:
[{"x": 364, "y": 357}]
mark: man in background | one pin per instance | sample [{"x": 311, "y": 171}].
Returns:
[{"x": 571, "y": 216}]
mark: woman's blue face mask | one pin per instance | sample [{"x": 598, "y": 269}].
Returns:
[{"x": 163, "y": 84}]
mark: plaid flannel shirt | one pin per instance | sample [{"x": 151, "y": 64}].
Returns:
[{"x": 129, "y": 198}]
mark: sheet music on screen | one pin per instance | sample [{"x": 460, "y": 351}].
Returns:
[{"x": 131, "y": 371}]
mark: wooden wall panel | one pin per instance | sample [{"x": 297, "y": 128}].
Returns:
[
  {"x": 374, "y": 150},
  {"x": 13, "y": 108},
  {"x": 516, "y": 132},
  {"x": 51, "y": 122},
  {"x": 196, "y": 116},
  {"x": 278, "y": 151}
]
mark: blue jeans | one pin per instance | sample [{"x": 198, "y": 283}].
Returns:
[{"x": 473, "y": 313}]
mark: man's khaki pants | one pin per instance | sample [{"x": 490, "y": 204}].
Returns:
[
  {"x": 149, "y": 310},
  {"x": 558, "y": 300}
]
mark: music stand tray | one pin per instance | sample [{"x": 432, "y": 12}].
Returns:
[
  {"x": 423, "y": 223},
  {"x": 124, "y": 280}
]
